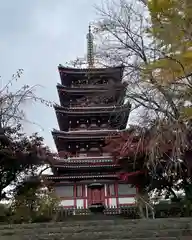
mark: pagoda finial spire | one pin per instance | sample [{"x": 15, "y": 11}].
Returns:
[{"x": 90, "y": 54}]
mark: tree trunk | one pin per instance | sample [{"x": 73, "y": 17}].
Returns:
[{"x": 142, "y": 197}]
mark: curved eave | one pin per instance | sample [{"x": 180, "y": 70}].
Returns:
[
  {"x": 85, "y": 166},
  {"x": 85, "y": 134},
  {"x": 67, "y": 74},
  {"x": 70, "y": 70},
  {"x": 82, "y": 177},
  {"x": 63, "y": 113},
  {"x": 66, "y": 138},
  {"x": 84, "y": 90},
  {"x": 88, "y": 110},
  {"x": 84, "y": 160}
]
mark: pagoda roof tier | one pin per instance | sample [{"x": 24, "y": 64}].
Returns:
[
  {"x": 115, "y": 118},
  {"x": 83, "y": 160},
  {"x": 66, "y": 94},
  {"x": 86, "y": 88},
  {"x": 82, "y": 110},
  {"x": 72, "y": 70},
  {"x": 73, "y": 177},
  {"x": 85, "y": 166},
  {"x": 70, "y": 75},
  {"x": 116, "y": 72},
  {"x": 86, "y": 134},
  {"x": 85, "y": 181}
]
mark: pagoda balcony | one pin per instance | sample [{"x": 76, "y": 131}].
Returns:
[
  {"x": 88, "y": 87},
  {"x": 96, "y": 176},
  {"x": 87, "y": 131},
  {"x": 97, "y": 86},
  {"x": 88, "y": 105},
  {"x": 85, "y": 166},
  {"x": 93, "y": 109},
  {"x": 89, "y": 128},
  {"x": 84, "y": 159},
  {"x": 89, "y": 100},
  {"x": 90, "y": 158}
]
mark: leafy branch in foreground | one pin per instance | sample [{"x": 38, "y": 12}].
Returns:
[
  {"x": 124, "y": 37},
  {"x": 11, "y": 103}
]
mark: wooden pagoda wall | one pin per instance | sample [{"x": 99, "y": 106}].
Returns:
[{"x": 113, "y": 195}]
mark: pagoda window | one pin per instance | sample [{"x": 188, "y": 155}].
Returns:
[
  {"x": 82, "y": 149},
  {"x": 82, "y": 154},
  {"x": 93, "y": 125},
  {"x": 83, "y": 125},
  {"x": 104, "y": 125},
  {"x": 79, "y": 190},
  {"x": 94, "y": 149},
  {"x": 64, "y": 191},
  {"x": 126, "y": 189},
  {"x": 105, "y": 154}
]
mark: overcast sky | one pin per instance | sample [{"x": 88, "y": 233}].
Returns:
[{"x": 38, "y": 35}]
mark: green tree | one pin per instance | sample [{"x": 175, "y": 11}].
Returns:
[
  {"x": 124, "y": 37},
  {"x": 5, "y": 212},
  {"x": 12, "y": 103},
  {"x": 19, "y": 155},
  {"x": 175, "y": 63},
  {"x": 127, "y": 35},
  {"x": 33, "y": 202}
]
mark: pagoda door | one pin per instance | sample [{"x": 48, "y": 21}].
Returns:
[{"x": 95, "y": 196}]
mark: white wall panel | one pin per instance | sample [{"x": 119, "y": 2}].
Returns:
[
  {"x": 126, "y": 189},
  {"x": 112, "y": 202},
  {"x": 127, "y": 200},
  {"x": 79, "y": 203},
  {"x": 67, "y": 203}
]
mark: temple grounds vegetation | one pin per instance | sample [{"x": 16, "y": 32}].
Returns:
[
  {"x": 20, "y": 159},
  {"x": 152, "y": 39},
  {"x": 158, "y": 82}
]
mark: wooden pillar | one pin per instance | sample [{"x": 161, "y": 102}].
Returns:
[
  {"x": 116, "y": 193},
  {"x": 107, "y": 194},
  {"x": 84, "y": 196},
  {"x": 75, "y": 195}
]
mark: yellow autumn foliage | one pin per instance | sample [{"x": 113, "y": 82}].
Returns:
[
  {"x": 186, "y": 113},
  {"x": 172, "y": 30}
]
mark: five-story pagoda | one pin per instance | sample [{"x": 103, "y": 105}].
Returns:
[{"x": 84, "y": 174}]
